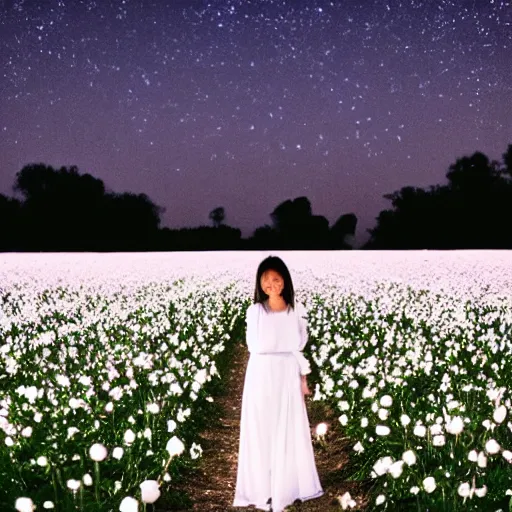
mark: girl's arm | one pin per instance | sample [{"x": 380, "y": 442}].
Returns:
[{"x": 304, "y": 385}]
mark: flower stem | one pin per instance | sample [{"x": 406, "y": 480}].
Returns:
[{"x": 97, "y": 481}]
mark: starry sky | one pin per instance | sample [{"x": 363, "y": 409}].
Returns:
[{"x": 246, "y": 103}]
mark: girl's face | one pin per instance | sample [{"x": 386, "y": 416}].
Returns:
[{"x": 272, "y": 283}]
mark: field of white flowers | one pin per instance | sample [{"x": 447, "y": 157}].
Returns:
[
  {"x": 108, "y": 366},
  {"x": 105, "y": 372}
]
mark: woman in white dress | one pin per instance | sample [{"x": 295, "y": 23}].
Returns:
[{"x": 276, "y": 464}]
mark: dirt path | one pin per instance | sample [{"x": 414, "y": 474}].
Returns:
[{"x": 212, "y": 487}]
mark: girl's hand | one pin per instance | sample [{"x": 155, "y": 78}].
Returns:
[{"x": 304, "y": 385}]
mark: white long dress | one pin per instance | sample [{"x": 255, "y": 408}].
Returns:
[{"x": 275, "y": 458}]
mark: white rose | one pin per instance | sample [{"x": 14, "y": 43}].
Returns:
[
  {"x": 499, "y": 414},
  {"x": 117, "y": 453},
  {"x": 482, "y": 460},
  {"x": 129, "y": 504},
  {"x": 346, "y": 501},
  {"x": 73, "y": 484},
  {"x": 129, "y": 436},
  {"x": 321, "y": 429},
  {"x": 149, "y": 491},
  {"x": 175, "y": 446},
  {"x": 405, "y": 420},
  {"x": 98, "y": 452},
  {"x": 455, "y": 426},
  {"x": 383, "y": 414},
  {"x": 396, "y": 468},
  {"x": 464, "y": 489},
  {"x": 492, "y": 446},
  {"x": 24, "y": 505},
  {"x": 358, "y": 447},
  {"x": 153, "y": 408},
  {"x": 429, "y": 484},
  {"x": 386, "y": 401},
  {"x": 409, "y": 457},
  {"x": 481, "y": 492},
  {"x": 438, "y": 440},
  {"x": 382, "y": 430},
  {"x": 420, "y": 430}
]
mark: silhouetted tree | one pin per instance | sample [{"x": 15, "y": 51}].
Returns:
[
  {"x": 65, "y": 211},
  {"x": 470, "y": 212},
  {"x": 297, "y": 228},
  {"x": 217, "y": 216},
  {"x": 507, "y": 160},
  {"x": 10, "y": 223},
  {"x": 341, "y": 230}
]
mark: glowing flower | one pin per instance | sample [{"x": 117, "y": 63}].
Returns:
[
  {"x": 429, "y": 484},
  {"x": 492, "y": 446},
  {"x": 153, "y": 408},
  {"x": 321, "y": 429},
  {"x": 464, "y": 489},
  {"x": 499, "y": 414},
  {"x": 346, "y": 501},
  {"x": 382, "y": 465},
  {"x": 386, "y": 401},
  {"x": 150, "y": 491},
  {"x": 98, "y": 452},
  {"x": 405, "y": 420},
  {"x": 438, "y": 440},
  {"x": 420, "y": 430},
  {"x": 409, "y": 457},
  {"x": 382, "y": 430},
  {"x": 380, "y": 499},
  {"x": 129, "y": 436},
  {"x": 358, "y": 447},
  {"x": 175, "y": 446},
  {"x": 481, "y": 492},
  {"x": 396, "y": 469},
  {"x": 117, "y": 453},
  {"x": 482, "y": 460},
  {"x": 195, "y": 450},
  {"x": 455, "y": 426},
  {"x": 129, "y": 504},
  {"x": 24, "y": 505},
  {"x": 73, "y": 484}
]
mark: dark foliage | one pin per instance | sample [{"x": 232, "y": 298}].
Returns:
[{"x": 63, "y": 210}]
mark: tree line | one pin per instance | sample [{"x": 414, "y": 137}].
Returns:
[{"x": 62, "y": 210}]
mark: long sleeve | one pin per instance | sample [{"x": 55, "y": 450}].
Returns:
[
  {"x": 303, "y": 330},
  {"x": 303, "y": 325},
  {"x": 251, "y": 332}
]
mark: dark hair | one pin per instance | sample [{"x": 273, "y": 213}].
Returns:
[{"x": 277, "y": 264}]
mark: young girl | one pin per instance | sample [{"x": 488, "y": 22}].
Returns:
[{"x": 276, "y": 464}]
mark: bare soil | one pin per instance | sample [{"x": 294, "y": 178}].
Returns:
[{"x": 212, "y": 487}]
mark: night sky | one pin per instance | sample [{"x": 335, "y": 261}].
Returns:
[{"x": 245, "y": 104}]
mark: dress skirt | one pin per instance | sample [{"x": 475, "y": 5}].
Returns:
[{"x": 275, "y": 458}]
